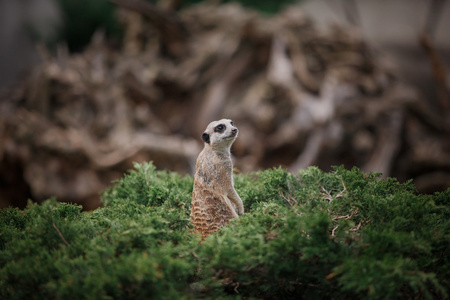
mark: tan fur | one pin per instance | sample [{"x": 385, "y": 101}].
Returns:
[{"x": 214, "y": 197}]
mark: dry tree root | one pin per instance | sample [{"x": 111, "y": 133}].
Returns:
[{"x": 300, "y": 97}]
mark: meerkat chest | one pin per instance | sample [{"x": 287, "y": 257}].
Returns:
[{"x": 213, "y": 171}]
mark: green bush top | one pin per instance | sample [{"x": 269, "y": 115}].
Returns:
[{"x": 311, "y": 235}]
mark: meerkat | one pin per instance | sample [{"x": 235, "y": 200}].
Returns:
[{"x": 214, "y": 199}]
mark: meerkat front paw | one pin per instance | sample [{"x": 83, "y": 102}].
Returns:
[{"x": 241, "y": 211}]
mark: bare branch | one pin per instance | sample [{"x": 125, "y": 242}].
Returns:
[
  {"x": 60, "y": 234},
  {"x": 334, "y": 229}
]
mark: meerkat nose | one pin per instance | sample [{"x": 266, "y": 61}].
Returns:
[{"x": 234, "y": 130}]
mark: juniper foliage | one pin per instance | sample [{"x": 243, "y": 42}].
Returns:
[{"x": 311, "y": 235}]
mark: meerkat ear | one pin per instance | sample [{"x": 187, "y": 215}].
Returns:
[{"x": 205, "y": 137}]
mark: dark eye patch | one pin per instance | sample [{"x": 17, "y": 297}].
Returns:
[
  {"x": 232, "y": 123},
  {"x": 220, "y": 128}
]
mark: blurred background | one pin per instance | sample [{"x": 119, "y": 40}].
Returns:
[{"x": 89, "y": 87}]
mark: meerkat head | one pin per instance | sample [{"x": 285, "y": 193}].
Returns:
[{"x": 220, "y": 134}]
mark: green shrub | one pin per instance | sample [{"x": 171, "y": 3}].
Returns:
[{"x": 311, "y": 235}]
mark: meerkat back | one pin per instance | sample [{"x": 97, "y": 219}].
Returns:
[{"x": 214, "y": 199}]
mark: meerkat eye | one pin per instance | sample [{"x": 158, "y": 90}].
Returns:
[
  {"x": 220, "y": 128},
  {"x": 232, "y": 123}
]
